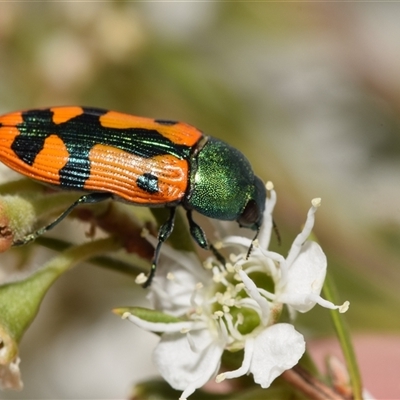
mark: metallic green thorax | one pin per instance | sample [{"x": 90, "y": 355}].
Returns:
[{"x": 223, "y": 185}]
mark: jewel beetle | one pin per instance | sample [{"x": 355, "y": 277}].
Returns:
[{"x": 142, "y": 161}]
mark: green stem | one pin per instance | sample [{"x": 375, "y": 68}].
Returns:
[
  {"x": 343, "y": 334},
  {"x": 100, "y": 261},
  {"x": 20, "y": 300}
]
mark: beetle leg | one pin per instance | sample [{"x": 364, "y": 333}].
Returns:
[
  {"x": 200, "y": 238},
  {"x": 218, "y": 255},
  {"x": 197, "y": 233},
  {"x": 163, "y": 234},
  {"x": 85, "y": 199}
]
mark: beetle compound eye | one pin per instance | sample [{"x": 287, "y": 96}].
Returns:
[{"x": 250, "y": 214}]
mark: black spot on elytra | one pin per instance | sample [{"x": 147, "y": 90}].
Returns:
[
  {"x": 35, "y": 129},
  {"x": 148, "y": 182},
  {"x": 166, "y": 122}
]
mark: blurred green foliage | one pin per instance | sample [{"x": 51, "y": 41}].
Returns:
[{"x": 225, "y": 67}]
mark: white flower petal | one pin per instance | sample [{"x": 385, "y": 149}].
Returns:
[
  {"x": 276, "y": 349},
  {"x": 264, "y": 235},
  {"x": 305, "y": 278},
  {"x": 188, "y": 364},
  {"x": 304, "y": 234},
  {"x": 241, "y": 242},
  {"x": 172, "y": 288},
  {"x": 253, "y": 292},
  {"x": 189, "y": 352},
  {"x": 244, "y": 368}
]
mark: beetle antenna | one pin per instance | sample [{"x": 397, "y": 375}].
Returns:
[
  {"x": 278, "y": 236},
  {"x": 251, "y": 244},
  {"x": 276, "y": 231}
]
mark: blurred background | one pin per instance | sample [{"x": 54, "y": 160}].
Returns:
[{"x": 309, "y": 92}]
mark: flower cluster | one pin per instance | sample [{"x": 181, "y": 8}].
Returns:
[{"x": 234, "y": 307}]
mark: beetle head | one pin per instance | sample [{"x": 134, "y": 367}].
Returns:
[
  {"x": 252, "y": 214},
  {"x": 223, "y": 185}
]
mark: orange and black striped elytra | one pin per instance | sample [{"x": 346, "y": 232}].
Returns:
[{"x": 143, "y": 161}]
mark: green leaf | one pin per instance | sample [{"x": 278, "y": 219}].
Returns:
[
  {"x": 20, "y": 300},
  {"x": 147, "y": 315}
]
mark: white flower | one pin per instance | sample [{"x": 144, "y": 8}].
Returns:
[{"x": 230, "y": 308}]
